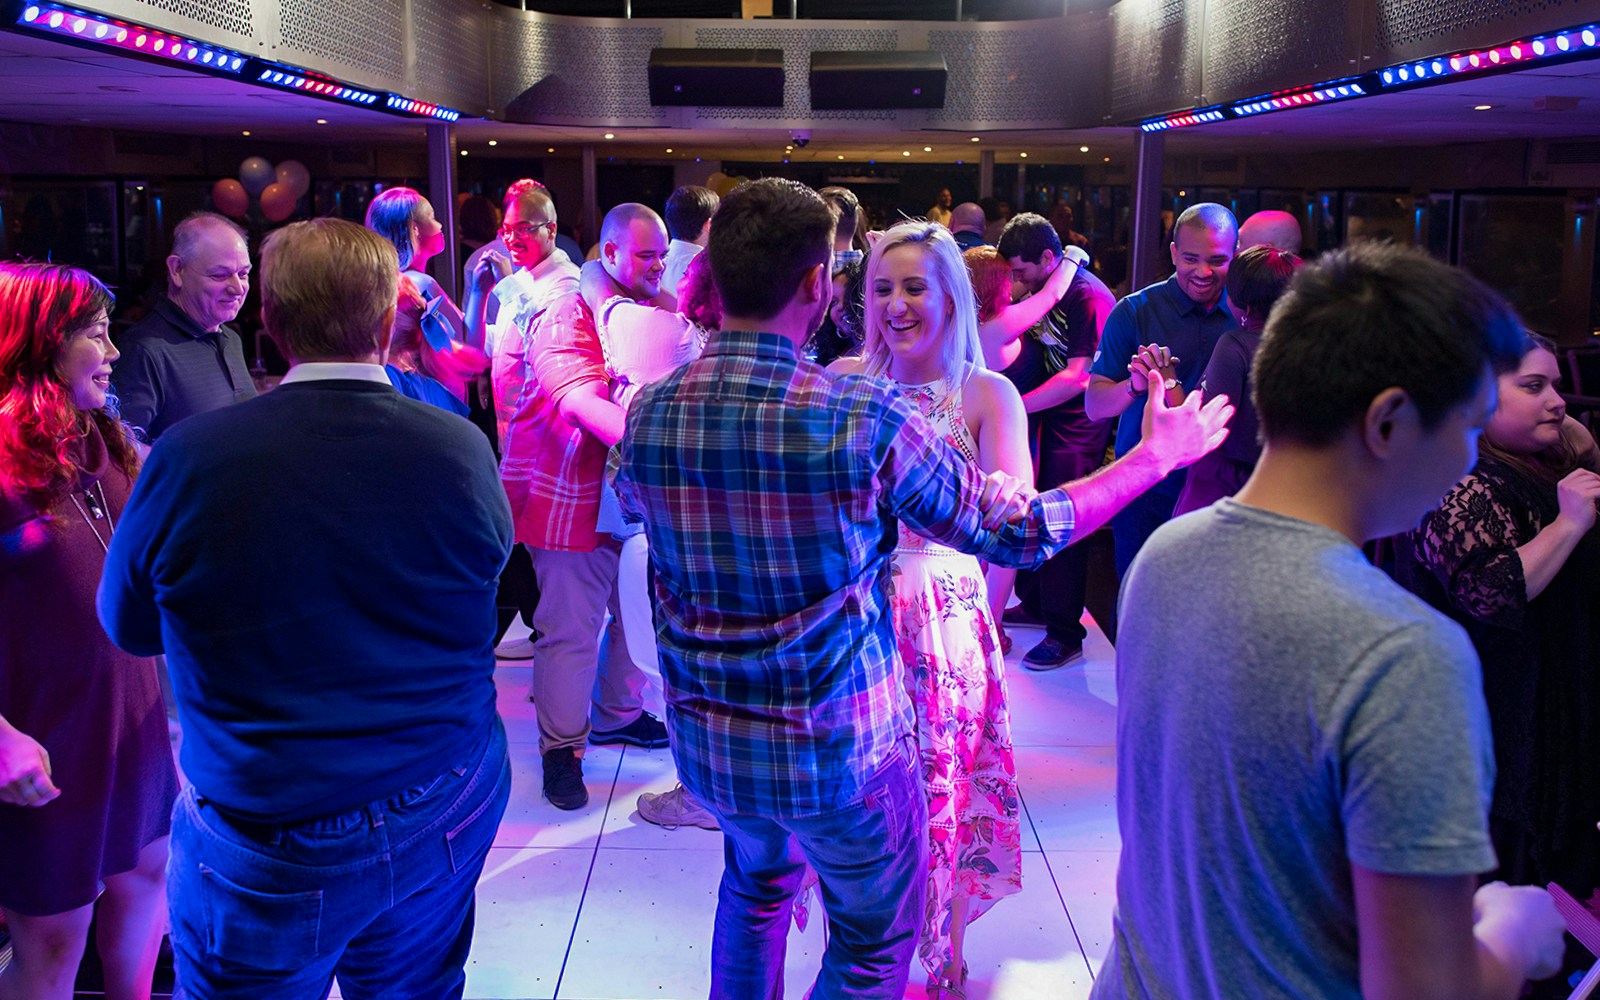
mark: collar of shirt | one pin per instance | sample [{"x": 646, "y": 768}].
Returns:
[
  {"x": 182, "y": 321},
  {"x": 1186, "y": 306},
  {"x": 774, "y": 345},
  {"x": 520, "y": 290},
  {"x": 322, "y": 371}
]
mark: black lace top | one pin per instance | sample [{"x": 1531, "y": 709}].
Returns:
[{"x": 1540, "y": 657}]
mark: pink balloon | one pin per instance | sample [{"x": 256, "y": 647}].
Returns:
[
  {"x": 277, "y": 202},
  {"x": 230, "y": 197},
  {"x": 294, "y": 175}
]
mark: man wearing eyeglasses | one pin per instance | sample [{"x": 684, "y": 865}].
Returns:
[
  {"x": 183, "y": 359},
  {"x": 553, "y": 389}
]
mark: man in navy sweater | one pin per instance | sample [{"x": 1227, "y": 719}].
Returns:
[{"x": 319, "y": 566}]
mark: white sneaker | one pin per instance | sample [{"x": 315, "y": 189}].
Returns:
[
  {"x": 516, "y": 649},
  {"x": 674, "y": 809}
]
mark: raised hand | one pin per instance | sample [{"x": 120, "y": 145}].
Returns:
[
  {"x": 1576, "y": 495},
  {"x": 1181, "y": 435}
]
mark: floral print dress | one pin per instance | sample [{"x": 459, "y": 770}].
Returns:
[{"x": 954, "y": 675}]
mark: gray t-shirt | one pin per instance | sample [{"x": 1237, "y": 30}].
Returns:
[{"x": 1283, "y": 710}]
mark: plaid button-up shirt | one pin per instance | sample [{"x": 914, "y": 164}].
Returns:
[
  {"x": 770, "y": 491},
  {"x": 551, "y": 468}
]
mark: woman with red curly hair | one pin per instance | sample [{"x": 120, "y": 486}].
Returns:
[{"x": 86, "y": 775}]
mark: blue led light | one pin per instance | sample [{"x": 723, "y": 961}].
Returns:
[
  {"x": 1588, "y": 37},
  {"x": 30, "y": 15},
  {"x": 1438, "y": 67},
  {"x": 1538, "y": 46},
  {"x": 1388, "y": 76},
  {"x": 1562, "y": 43}
]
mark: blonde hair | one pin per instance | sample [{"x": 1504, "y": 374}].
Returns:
[
  {"x": 328, "y": 288},
  {"x": 962, "y": 351}
]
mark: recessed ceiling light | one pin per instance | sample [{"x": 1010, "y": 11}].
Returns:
[
  {"x": 1483, "y": 107},
  {"x": 1083, "y": 149},
  {"x": 1105, "y": 159},
  {"x": 927, "y": 149},
  {"x": 552, "y": 149},
  {"x": 246, "y": 132},
  {"x": 463, "y": 152},
  {"x": 494, "y": 142},
  {"x": 322, "y": 121},
  {"x": 669, "y": 149},
  {"x": 974, "y": 138},
  {"x": 841, "y": 156},
  {"x": 1023, "y": 155},
  {"x": 905, "y": 152},
  {"x": 611, "y": 135}
]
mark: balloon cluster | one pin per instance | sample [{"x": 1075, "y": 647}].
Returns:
[
  {"x": 279, "y": 188},
  {"x": 722, "y": 184}
]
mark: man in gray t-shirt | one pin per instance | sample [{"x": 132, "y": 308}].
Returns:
[{"x": 1304, "y": 761}]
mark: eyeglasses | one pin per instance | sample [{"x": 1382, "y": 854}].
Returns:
[{"x": 525, "y": 231}]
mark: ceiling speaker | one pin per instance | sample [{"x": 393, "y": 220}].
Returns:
[
  {"x": 848, "y": 81},
  {"x": 732, "y": 78}
]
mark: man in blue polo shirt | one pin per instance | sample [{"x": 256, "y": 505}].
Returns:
[{"x": 1165, "y": 331}]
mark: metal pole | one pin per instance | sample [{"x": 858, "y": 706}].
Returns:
[
  {"x": 591, "y": 201},
  {"x": 442, "y": 192},
  {"x": 1144, "y": 254},
  {"x": 986, "y": 174}
]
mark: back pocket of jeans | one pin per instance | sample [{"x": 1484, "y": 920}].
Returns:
[
  {"x": 469, "y": 840},
  {"x": 260, "y": 930}
]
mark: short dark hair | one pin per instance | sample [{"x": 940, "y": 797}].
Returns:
[
  {"x": 1257, "y": 279},
  {"x": 765, "y": 236},
  {"x": 1028, "y": 236},
  {"x": 1374, "y": 316},
  {"x": 689, "y": 208},
  {"x": 846, "y": 206},
  {"x": 1206, "y": 215}
]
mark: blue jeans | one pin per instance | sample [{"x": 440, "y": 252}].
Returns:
[
  {"x": 382, "y": 895},
  {"x": 872, "y": 860}
]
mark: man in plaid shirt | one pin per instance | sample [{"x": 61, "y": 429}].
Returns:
[{"x": 770, "y": 490}]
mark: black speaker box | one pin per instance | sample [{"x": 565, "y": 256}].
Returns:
[
  {"x": 848, "y": 81},
  {"x": 735, "y": 78}
]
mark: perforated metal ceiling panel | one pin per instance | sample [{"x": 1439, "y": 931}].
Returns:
[
  {"x": 1257, "y": 46},
  {"x": 1156, "y": 56},
  {"x": 1408, "y": 29},
  {"x": 451, "y": 45},
  {"x": 354, "y": 39},
  {"x": 1038, "y": 74},
  {"x": 555, "y": 70}
]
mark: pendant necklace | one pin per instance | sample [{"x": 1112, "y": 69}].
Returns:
[{"x": 97, "y": 510}]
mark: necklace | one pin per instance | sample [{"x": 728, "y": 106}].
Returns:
[{"x": 96, "y": 510}]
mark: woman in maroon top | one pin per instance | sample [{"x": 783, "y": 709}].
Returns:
[{"x": 86, "y": 774}]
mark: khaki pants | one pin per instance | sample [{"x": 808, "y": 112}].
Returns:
[{"x": 577, "y": 676}]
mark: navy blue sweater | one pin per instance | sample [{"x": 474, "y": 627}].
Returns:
[{"x": 319, "y": 566}]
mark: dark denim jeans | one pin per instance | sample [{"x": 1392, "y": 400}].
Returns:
[
  {"x": 382, "y": 896},
  {"x": 872, "y": 860}
]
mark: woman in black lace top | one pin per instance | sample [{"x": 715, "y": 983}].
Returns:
[{"x": 1512, "y": 554}]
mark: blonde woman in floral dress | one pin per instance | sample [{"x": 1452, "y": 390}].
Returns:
[{"x": 922, "y": 332}]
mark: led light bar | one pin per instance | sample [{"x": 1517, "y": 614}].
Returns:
[
  {"x": 301, "y": 81},
  {"x": 86, "y": 28},
  {"x": 83, "y": 27},
  {"x": 422, "y": 109},
  {"x": 1560, "y": 46},
  {"x": 1569, "y": 45}
]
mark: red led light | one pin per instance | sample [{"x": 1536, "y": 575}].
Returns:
[
  {"x": 1475, "y": 60},
  {"x": 1494, "y": 55},
  {"x": 1516, "y": 52},
  {"x": 1455, "y": 62},
  {"x": 138, "y": 43}
]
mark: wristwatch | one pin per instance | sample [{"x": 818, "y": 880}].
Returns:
[{"x": 1172, "y": 383}]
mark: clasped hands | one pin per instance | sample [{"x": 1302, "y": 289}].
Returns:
[{"x": 1151, "y": 359}]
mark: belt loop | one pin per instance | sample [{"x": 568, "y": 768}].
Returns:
[{"x": 374, "y": 813}]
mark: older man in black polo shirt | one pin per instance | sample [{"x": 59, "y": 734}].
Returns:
[{"x": 181, "y": 359}]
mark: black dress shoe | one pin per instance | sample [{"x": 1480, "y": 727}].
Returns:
[
  {"x": 563, "y": 779},
  {"x": 1052, "y": 653}
]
